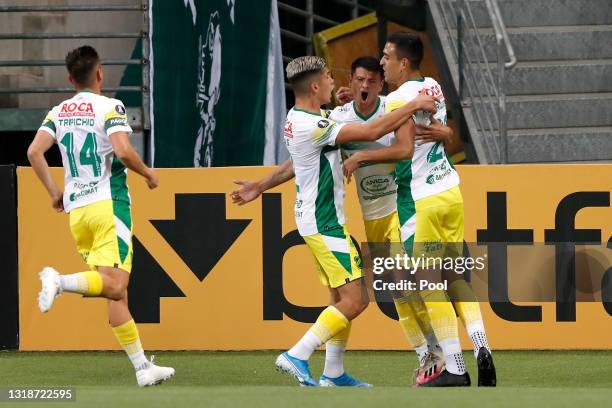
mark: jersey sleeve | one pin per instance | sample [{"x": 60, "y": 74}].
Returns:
[
  {"x": 334, "y": 114},
  {"x": 116, "y": 120},
  {"x": 392, "y": 104},
  {"x": 325, "y": 132},
  {"x": 48, "y": 125}
]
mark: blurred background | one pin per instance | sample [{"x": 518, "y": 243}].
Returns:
[{"x": 525, "y": 80}]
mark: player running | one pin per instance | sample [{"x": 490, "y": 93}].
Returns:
[
  {"x": 365, "y": 76},
  {"x": 430, "y": 210},
  {"x": 92, "y": 132}
]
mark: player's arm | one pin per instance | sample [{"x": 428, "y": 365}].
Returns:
[
  {"x": 436, "y": 132},
  {"x": 36, "y": 155},
  {"x": 381, "y": 126},
  {"x": 250, "y": 190},
  {"x": 402, "y": 149},
  {"x": 125, "y": 152}
]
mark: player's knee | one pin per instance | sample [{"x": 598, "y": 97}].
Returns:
[{"x": 115, "y": 289}]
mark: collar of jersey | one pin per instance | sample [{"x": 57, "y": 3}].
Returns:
[
  {"x": 305, "y": 111},
  {"x": 86, "y": 91},
  {"x": 363, "y": 117},
  {"x": 416, "y": 79}
]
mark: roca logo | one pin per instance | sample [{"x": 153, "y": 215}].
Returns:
[
  {"x": 376, "y": 184},
  {"x": 77, "y": 107}
]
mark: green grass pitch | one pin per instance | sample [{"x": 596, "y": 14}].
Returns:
[{"x": 248, "y": 379}]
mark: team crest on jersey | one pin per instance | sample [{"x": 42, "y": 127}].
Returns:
[
  {"x": 120, "y": 109},
  {"x": 323, "y": 123}
]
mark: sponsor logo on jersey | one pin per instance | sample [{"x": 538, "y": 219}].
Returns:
[
  {"x": 85, "y": 190},
  {"x": 433, "y": 90},
  {"x": 376, "y": 184},
  {"x": 288, "y": 131},
  {"x": 120, "y": 109},
  {"x": 117, "y": 122},
  {"x": 323, "y": 123},
  {"x": 76, "y": 109}
]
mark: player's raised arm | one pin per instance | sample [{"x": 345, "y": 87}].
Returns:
[
  {"x": 250, "y": 190},
  {"x": 36, "y": 155},
  {"x": 381, "y": 126},
  {"x": 127, "y": 155},
  {"x": 402, "y": 149}
]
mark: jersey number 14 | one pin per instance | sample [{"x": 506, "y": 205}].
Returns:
[{"x": 87, "y": 157}]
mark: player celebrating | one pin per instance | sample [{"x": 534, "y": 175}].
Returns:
[
  {"x": 376, "y": 189},
  {"x": 316, "y": 162},
  {"x": 92, "y": 132},
  {"x": 430, "y": 209}
]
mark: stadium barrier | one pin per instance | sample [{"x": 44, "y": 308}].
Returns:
[
  {"x": 9, "y": 318},
  {"x": 212, "y": 275}
]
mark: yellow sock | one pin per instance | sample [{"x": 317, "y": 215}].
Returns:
[
  {"x": 468, "y": 309},
  {"x": 465, "y": 301},
  {"x": 441, "y": 314},
  {"x": 444, "y": 325},
  {"x": 127, "y": 336},
  {"x": 87, "y": 283},
  {"x": 409, "y": 323},
  {"x": 330, "y": 322},
  {"x": 341, "y": 338}
]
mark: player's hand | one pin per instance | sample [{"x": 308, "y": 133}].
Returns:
[
  {"x": 152, "y": 179},
  {"x": 344, "y": 95},
  {"x": 57, "y": 201},
  {"x": 349, "y": 166},
  {"x": 248, "y": 191},
  {"x": 426, "y": 103},
  {"x": 433, "y": 133}
]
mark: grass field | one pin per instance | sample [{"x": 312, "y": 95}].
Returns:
[{"x": 248, "y": 379}]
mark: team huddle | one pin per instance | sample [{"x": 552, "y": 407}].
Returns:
[{"x": 397, "y": 140}]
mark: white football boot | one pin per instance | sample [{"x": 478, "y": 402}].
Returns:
[
  {"x": 50, "y": 280},
  {"x": 153, "y": 374}
]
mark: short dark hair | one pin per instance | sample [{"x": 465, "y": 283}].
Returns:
[
  {"x": 408, "y": 45},
  {"x": 368, "y": 63},
  {"x": 81, "y": 63}
]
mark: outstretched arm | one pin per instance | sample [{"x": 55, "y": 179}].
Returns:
[
  {"x": 250, "y": 190},
  {"x": 36, "y": 155},
  {"x": 402, "y": 149},
  {"x": 391, "y": 121}
]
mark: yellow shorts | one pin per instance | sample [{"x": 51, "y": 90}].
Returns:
[
  {"x": 336, "y": 257},
  {"x": 103, "y": 234},
  {"x": 435, "y": 225},
  {"x": 383, "y": 230}
]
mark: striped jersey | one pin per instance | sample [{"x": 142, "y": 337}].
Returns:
[
  {"x": 430, "y": 171},
  {"x": 81, "y": 127},
  {"x": 317, "y": 164},
  {"x": 376, "y": 187}
]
